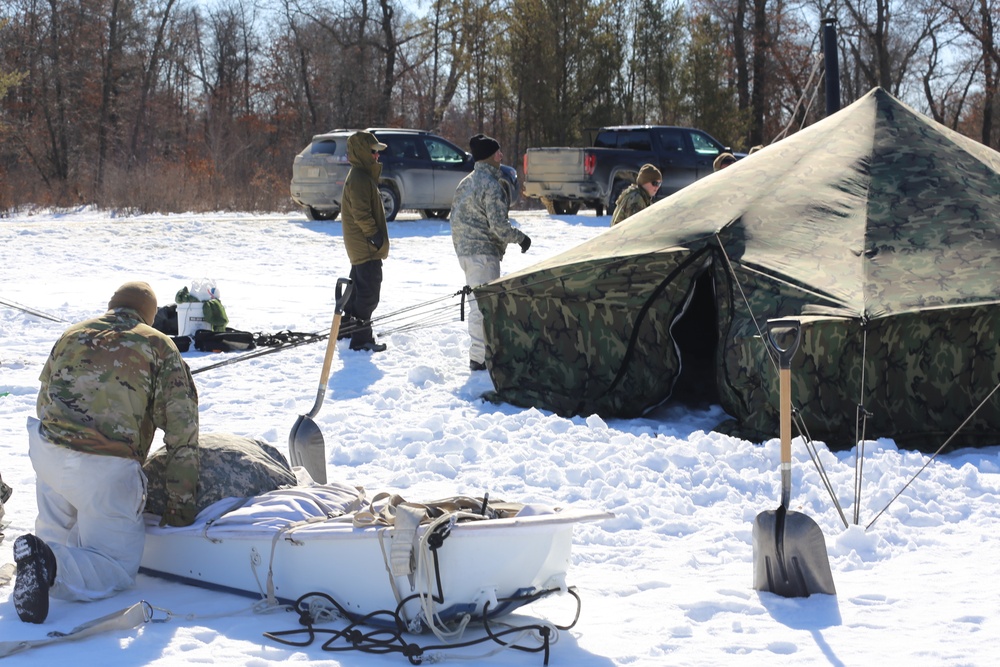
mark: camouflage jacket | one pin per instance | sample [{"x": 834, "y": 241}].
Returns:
[
  {"x": 479, "y": 224},
  {"x": 361, "y": 210},
  {"x": 106, "y": 387},
  {"x": 630, "y": 202}
]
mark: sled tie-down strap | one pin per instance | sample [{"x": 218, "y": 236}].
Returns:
[
  {"x": 384, "y": 507},
  {"x": 391, "y": 510},
  {"x": 123, "y": 619}
]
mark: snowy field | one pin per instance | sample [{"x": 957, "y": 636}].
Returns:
[{"x": 667, "y": 581}]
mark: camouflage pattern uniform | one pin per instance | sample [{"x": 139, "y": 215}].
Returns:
[
  {"x": 479, "y": 224},
  {"x": 480, "y": 232},
  {"x": 631, "y": 201},
  {"x": 107, "y": 385},
  {"x": 885, "y": 250},
  {"x": 231, "y": 467}
]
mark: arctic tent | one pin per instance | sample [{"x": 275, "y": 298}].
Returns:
[{"x": 876, "y": 228}]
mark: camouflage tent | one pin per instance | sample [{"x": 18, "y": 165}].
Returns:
[{"x": 877, "y": 227}]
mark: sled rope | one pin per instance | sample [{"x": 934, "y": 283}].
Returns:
[
  {"x": 129, "y": 618},
  {"x": 124, "y": 619},
  {"x": 318, "y": 607},
  {"x": 415, "y": 317},
  {"x": 30, "y": 311},
  {"x": 812, "y": 98},
  {"x": 934, "y": 456}
]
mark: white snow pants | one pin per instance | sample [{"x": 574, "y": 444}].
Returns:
[
  {"x": 90, "y": 514},
  {"x": 479, "y": 270}
]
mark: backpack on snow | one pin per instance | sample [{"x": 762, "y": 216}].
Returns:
[{"x": 229, "y": 340}]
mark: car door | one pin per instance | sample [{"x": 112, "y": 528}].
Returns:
[
  {"x": 406, "y": 162},
  {"x": 706, "y": 149},
  {"x": 451, "y": 164},
  {"x": 678, "y": 160}
]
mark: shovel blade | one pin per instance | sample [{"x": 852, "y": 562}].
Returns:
[
  {"x": 789, "y": 555},
  {"x": 307, "y": 448}
]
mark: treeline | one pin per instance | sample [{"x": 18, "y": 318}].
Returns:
[{"x": 175, "y": 105}]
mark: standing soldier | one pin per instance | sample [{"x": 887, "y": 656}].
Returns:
[
  {"x": 366, "y": 237},
  {"x": 106, "y": 387},
  {"x": 481, "y": 232}
]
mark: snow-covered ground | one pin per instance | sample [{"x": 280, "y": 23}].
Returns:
[{"x": 667, "y": 581}]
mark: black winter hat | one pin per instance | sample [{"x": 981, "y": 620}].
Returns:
[{"x": 483, "y": 147}]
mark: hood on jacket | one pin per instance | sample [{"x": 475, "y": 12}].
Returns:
[{"x": 359, "y": 152}]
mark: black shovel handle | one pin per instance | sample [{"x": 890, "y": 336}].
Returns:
[
  {"x": 785, "y": 354},
  {"x": 343, "y": 292}
]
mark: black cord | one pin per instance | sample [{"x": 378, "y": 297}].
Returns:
[{"x": 385, "y": 640}]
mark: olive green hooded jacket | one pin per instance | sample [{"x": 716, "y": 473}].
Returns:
[{"x": 361, "y": 212}]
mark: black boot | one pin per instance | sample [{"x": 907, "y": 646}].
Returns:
[
  {"x": 36, "y": 573},
  {"x": 348, "y": 325}
]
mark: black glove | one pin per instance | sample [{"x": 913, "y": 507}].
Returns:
[
  {"x": 525, "y": 244},
  {"x": 376, "y": 240}
]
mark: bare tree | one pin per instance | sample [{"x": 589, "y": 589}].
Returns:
[{"x": 976, "y": 19}]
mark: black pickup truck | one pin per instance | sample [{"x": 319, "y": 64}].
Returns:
[{"x": 567, "y": 178}]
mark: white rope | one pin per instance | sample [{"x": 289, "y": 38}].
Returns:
[{"x": 805, "y": 91}]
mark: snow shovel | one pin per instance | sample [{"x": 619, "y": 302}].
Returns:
[
  {"x": 306, "y": 446},
  {"x": 789, "y": 551}
]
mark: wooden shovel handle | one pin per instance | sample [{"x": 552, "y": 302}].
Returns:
[
  {"x": 343, "y": 292},
  {"x": 344, "y": 287},
  {"x": 785, "y": 355}
]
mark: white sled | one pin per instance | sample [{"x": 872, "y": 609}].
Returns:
[{"x": 289, "y": 543}]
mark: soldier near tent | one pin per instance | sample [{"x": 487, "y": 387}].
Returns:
[
  {"x": 481, "y": 231},
  {"x": 106, "y": 387},
  {"x": 639, "y": 195}
]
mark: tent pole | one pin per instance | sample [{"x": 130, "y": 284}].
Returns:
[{"x": 831, "y": 62}]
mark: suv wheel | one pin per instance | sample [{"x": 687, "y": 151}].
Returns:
[
  {"x": 390, "y": 201},
  {"x": 313, "y": 214}
]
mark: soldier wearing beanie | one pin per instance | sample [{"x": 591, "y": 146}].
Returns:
[
  {"x": 481, "y": 232},
  {"x": 483, "y": 147},
  {"x": 106, "y": 387},
  {"x": 639, "y": 196},
  {"x": 139, "y": 297},
  {"x": 723, "y": 161}
]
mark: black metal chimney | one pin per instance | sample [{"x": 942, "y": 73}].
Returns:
[{"x": 832, "y": 66}]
